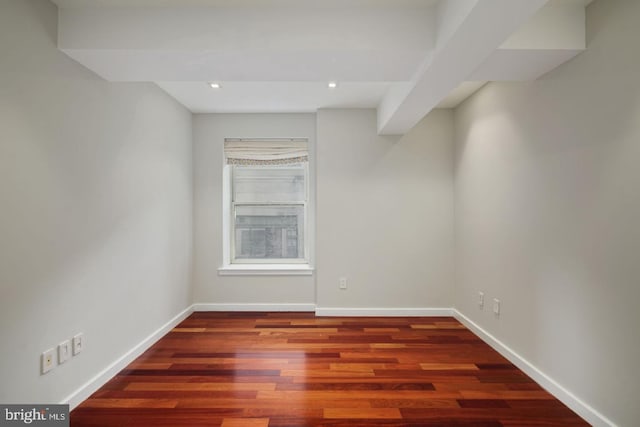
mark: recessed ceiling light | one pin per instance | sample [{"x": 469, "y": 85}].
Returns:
[
  {"x": 215, "y": 85},
  {"x": 332, "y": 85}
]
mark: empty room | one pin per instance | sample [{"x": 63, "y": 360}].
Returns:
[{"x": 252, "y": 213}]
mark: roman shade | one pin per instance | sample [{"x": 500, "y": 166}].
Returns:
[{"x": 267, "y": 151}]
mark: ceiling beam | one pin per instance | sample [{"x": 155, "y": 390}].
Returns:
[
  {"x": 469, "y": 31},
  {"x": 308, "y": 41}
]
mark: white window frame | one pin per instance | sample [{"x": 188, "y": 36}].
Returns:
[{"x": 275, "y": 266}]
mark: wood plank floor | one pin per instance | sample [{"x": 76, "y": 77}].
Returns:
[{"x": 295, "y": 369}]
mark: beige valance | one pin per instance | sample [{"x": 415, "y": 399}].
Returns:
[{"x": 268, "y": 151}]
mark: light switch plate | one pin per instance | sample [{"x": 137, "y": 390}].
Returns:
[
  {"x": 64, "y": 351},
  {"x": 78, "y": 343}
]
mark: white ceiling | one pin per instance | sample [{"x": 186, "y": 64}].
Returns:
[
  {"x": 403, "y": 57},
  {"x": 256, "y": 97},
  {"x": 243, "y": 3}
]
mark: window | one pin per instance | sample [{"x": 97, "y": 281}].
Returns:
[
  {"x": 267, "y": 194},
  {"x": 268, "y": 209}
]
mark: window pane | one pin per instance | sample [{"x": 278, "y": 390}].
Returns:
[
  {"x": 269, "y": 184},
  {"x": 269, "y": 232}
]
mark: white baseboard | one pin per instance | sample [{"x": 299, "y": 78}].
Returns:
[
  {"x": 91, "y": 386},
  {"x": 254, "y": 307},
  {"x": 592, "y": 416},
  {"x": 401, "y": 312}
]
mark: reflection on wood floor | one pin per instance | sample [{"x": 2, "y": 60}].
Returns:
[{"x": 295, "y": 369}]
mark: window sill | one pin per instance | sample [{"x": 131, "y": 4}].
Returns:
[{"x": 266, "y": 270}]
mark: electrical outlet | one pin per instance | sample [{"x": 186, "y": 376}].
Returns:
[
  {"x": 64, "y": 351},
  {"x": 496, "y": 306},
  {"x": 342, "y": 283},
  {"x": 78, "y": 343},
  {"x": 481, "y": 299},
  {"x": 46, "y": 361}
]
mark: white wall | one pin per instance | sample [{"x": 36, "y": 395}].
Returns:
[
  {"x": 547, "y": 206},
  {"x": 385, "y": 212},
  {"x": 210, "y": 130},
  {"x": 95, "y": 215}
]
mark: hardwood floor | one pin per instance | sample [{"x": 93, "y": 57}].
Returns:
[{"x": 294, "y": 369}]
